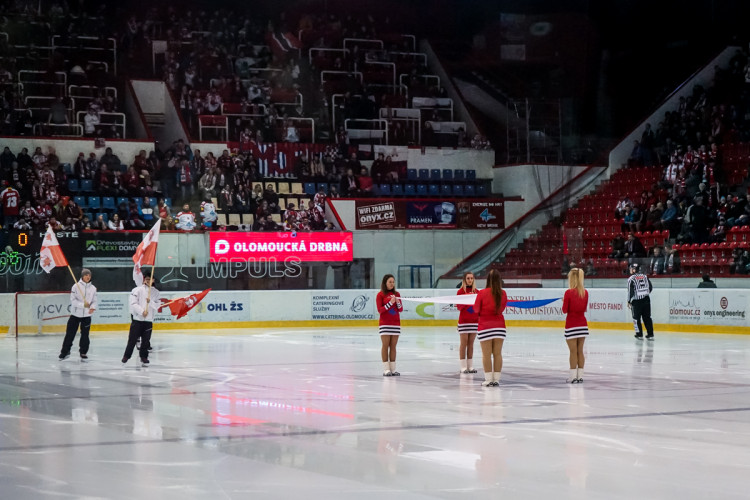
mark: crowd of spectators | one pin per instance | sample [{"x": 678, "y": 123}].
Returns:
[
  {"x": 40, "y": 192},
  {"x": 694, "y": 200}
]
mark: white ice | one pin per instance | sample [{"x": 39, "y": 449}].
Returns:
[{"x": 305, "y": 413}]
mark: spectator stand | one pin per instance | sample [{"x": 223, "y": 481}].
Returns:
[
  {"x": 410, "y": 118},
  {"x": 367, "y": 131},
  {"x": 107, "y": 121},
  {"x": 96, "y": 50},
  {"x": 219, "y": 124}
]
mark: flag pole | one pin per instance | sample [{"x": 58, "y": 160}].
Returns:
[{"x": 78, "y": 285}]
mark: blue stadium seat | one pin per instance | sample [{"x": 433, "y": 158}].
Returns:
[
  {"x": 447, "y": 174},
  {"x": 310, "y": 188},
  {"x": 385, "y": 190},
  {"x": 410, "y": 189},
  {"x": 154, "y": 202},
  {"x": 458, "y": 190},
  {"x": 445, "y": 189},
  {"x": 481, "y": 190},
  {"x": 104, "y": 216},
  {"x": 469, "y": 190},
  {"x": 139, "y": 202},
  {"x": 458, "y": 174},
  {"x": 435, "y": 174},
  {"x": 411, "y": 174},
  {"x": 421, "y": 189},
  {"x": 121, "y": 199},
  {"x": 471, "y": 175},
  {"x": 80, "y": 201},
  {"x": 108, "y": 203},
  {"x": 376, "y": 189},
  {"x": 87, "y": 185},
  {"x": 433, "y": 190},
  {"x": 324, "y": 186},
  {"x": 424, "y": 174},
  {"x": 67, "y": 168},
  {"x": 73, "y": 185},
  {"x": 397, "y": 190},
  {"x": 168, "y": 202},
  {"x": 95, "y": 203}
]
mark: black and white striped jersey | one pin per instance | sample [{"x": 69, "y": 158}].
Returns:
[{"x": 639, "y": 287}]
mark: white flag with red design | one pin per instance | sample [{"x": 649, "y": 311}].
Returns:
[
  {"x": 145, "y": 254},
  {"x": 51, "y": 256}
]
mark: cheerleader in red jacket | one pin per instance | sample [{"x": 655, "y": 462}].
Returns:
[
  {"x": 467, "y": 325},
  {"x": 389, "y": 307},
  {"x": 490, "y": 305},
  {"x": 575, "y": 303}
]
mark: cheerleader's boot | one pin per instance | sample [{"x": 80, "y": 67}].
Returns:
[
  {"x": 470, "y": 365},
  {"x": 579, "y": 375},
  {"x": 573, "y": 377},
  {"x": 394, "y": 373},
  {"x": 387, "y": 369},
  {"x": 487, "y": 379},
  {"x": 464, "y": 369},
  {"x": 496, "y": 379}
]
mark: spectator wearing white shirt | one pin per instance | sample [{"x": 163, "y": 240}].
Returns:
[{"x": 115, "y": 224}]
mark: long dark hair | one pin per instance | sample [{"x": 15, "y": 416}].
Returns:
[
  {"x": 384, "y": 287},
  {"x": 495, "y": 284}
]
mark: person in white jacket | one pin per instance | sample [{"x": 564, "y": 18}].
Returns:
[
  {"x": 83, "y": 303},
  {"x": 142, "y": 309}
]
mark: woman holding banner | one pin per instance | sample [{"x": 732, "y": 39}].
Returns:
[
  {"x": 389, "y": 306},
  {"x": 575, "y": 303},
  {"x": 467, "y": 325},
  {"x": 489, "y": 306}
]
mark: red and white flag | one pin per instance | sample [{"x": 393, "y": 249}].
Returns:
[
  {"x": 145, "y": 254},
  {"x": 180, "y": 307},
  {"x": 51, "y": 256}
]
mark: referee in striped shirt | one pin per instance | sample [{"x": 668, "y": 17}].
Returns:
[{"x": 639, "y": 288}]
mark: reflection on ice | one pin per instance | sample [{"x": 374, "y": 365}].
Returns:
[{"x": 292, "y": 413}]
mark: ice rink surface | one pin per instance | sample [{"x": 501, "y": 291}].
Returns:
[{"x": 302, "y": 413}]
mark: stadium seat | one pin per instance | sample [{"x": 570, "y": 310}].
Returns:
[
  {"x": 397, "y": 190},
  {"x": 94, "y": 203},
  {"x": 310, "y": 188},
  {"x": 283, "y": 188},
  {"x": 411, "y": 174},
  {"x": 410, "y": 189},
  {"x": 73, "y": 185},
  {"x": 435, "y": 174},
  {"x": 458, "y": 189},
  {"x": 121, "y": 199},
  {"x": 80, "y": 201},
  {"x": 108, "y": 203},
  {"x": 87, "y": 185},
  {"x": 433, "y": 190},
  {"x": 154, "y": 202},
  {"x": 385, "y": 189},
  {"x": 424, "y": 174},
  {"x": 323, "y": 186},
  {"x": 447, "y": 174},
  {"x": 471, "y": 175},
  {"x": 297, "y": 188},
  {"x": 421, "y": 189},
  {"x": 445, "y": 189},
  {"x": 458, "y": 175},
  {"x": 468, "y": 189},
  {"x": 67, "y": 168},
  {"x": 481, "y": 190},
  {"x": 168, "y": 202},
  {"x": 104, "y": 216}
]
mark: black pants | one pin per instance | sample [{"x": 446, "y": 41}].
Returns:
[
  {"x": 70, "y": 334},
  {"x": 642, "y": 310},
  {"x": 142, "y": 330}
]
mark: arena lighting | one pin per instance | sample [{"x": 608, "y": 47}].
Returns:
[{"x": 280, "y": 246}]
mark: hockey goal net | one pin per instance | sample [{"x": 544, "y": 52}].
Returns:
[{"x": 40, "y": 313}]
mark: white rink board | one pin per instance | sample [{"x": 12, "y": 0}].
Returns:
[{"x": 706, "y": 307}]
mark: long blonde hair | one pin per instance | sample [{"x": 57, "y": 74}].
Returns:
[
  {"x": 575, "y": 280},
  {"x": 464, "y": 287},
  {"x": 495, "y": 284}
]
